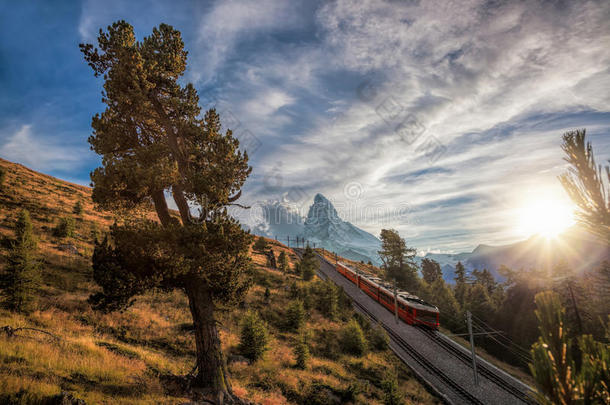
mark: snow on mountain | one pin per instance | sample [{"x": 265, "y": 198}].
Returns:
[
  {"x": 322, "y": 226},
  {"x": 325, "y": 228}
]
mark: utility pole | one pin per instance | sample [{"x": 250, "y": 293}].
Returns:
[
  {"x": 474, "y": 355},
  {"x": 288, "y": 241},
  {"x": 395, "y": 303}
]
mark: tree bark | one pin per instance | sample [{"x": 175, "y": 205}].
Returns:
[
  {"x": 161, "y": 207},
  {"x": 212, "y": 373},
  {"x": 181, "y": 203}
]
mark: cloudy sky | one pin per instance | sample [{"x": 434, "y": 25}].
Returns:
[{"x": 442, "y": 119}]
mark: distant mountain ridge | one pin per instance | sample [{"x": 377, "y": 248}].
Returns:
[{"x": 322, "y": 226}]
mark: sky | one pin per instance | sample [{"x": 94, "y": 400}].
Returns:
[{"x": 441, "y": 119}]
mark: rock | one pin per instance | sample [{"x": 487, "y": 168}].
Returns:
[{"x": 68, "y": 247}]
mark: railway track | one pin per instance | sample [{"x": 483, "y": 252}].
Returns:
[
  {"x": 481, "y": 367},
  {"x": 421, "y": 360}
]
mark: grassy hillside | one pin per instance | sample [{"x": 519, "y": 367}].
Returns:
[{"x": 133, "y": 357}]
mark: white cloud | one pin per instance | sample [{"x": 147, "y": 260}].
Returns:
[{"x": 41, "y": 153}]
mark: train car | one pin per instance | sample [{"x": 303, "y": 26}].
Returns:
[
  {"x": 350, "y": 274},
  {"x": 369, "y": 286},
  {"x": 415, "y": 311},
  {"x": 411, "y": 309}
]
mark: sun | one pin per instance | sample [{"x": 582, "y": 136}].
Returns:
[{"x": 545, "y": 217}]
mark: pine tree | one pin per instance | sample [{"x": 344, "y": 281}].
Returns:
[
  {"x": 431, "y": 270},
  {"x": 442, "y": 296},
  {"x": 397, "y": 260},
  {"x": 283, "y": 261},
  {"x": 352, "y": 339},
  {"x": 155, "y": 144},
  {"x": 22, "y": 275},
  {"x": 78, "y": 208},
  {"x": 461, "y": 288},
  {"x": 65, "y": 227},
  {"x": 267, "y": 295},
  {"x": 260, "y": 245},
  {"x": 309, "y": 264},
  {"x": 254, "y": 337},
  {"x": 295, "y": 315},
  {"x": 271, "y": 261},
  {"x": 587, "y": 184},
  {"x": 301, "y": 352},
  {"x": 558, "y": 379}
]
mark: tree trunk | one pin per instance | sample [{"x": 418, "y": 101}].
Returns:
[{"x": 212, "y": 373}]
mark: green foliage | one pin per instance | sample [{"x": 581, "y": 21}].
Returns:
[
  {"x": 294, "y": 291},
  {"x": 391, "y": 393},
  {"x": 431, "y": 270},
  {"x": 271, "y": 261},
  {"x": 378, "y": 338},
  {"x": 442, "y": 296},
  {"x": 65, "y": 227},
  {"x": 587, "y": 184},
  {"x": 254, "y": 337},
  {"x": 352, "y": 339},
  {"x": 78, "y": 208},
  {"x": 397, "y": 260},
  {"x": 327, "y": 298},
  {"x": 295, "y": 315},
  {"x": 309, "y": 264},
  {"x": 479, "y": 302},
  {"x": 557, "y": 377},
  {"x": 21, "y": 278},
  {"x": 260, "y": 245},
  {"x": 283, "y": 262},
  {"x": 301, "y": 352}
]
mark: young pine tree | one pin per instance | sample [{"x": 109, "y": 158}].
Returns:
[
  {"x": 155, "y": 144},
  {"x": 254, "y": 337},
  {"x": 301, "y": 352},
  {"x": 309, "y": 264},
  {"x": 283, "y": 262},
  {"x": 22, "y": 275},
  {"x": 295, "y": 315},
  {"x": 78, "y": 208},
  {"x": 260, "y": 245},
  {"x": 391, "y": 393},
  {"x": 352, "y": 339}
]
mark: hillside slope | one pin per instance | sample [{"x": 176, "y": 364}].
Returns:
[{"x": 135, "y": 356}]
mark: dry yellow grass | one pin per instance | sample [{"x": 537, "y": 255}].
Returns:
[{"x": 120, "y": 358}]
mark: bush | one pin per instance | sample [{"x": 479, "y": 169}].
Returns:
[
  {"x": 283, "y": 262},
  {"x": 391, "y": 394},
  {"x": 254, "y": 336},
  {"x": 78, "y": 208},
  {"x": 64, "y": 228},
  {"x": 260, "y": 244},
  {"x": 301, "y": 352},
  {"x": 295, "y": 315},
  {"x": 352, "y": 339},
  {"x": 378, "y": 338},
  {"x": 328, "y": 344}
]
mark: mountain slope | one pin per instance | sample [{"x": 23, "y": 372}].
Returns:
[{"x": 137, "y": 356}]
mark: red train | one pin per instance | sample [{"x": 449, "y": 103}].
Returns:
[{"x": 411, "y": 309}]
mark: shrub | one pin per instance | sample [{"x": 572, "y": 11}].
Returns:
[
  {"x": 78, "y": 208},
  {"x": 378, "y": 338},
  {"x": 295, "y": 315},
  {"x": 283, "y": 262},
  {"x": 391, "y": 394},
  {"x": 64, "y": 228},
  {"x": 301, "y": 352},
  {"x": 328, "y": 344},
  {"x": 352, "y": 339},
  {"x": 328, "y": 299},
  {"x": 267, "y": 295},
  {"x": 295, "y": 291},
  {"x": 254, "y": 336},
  {"x": 260, "y": 244}
]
